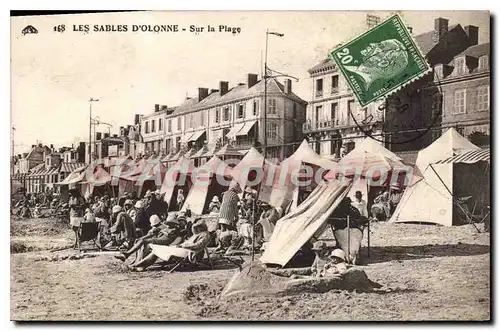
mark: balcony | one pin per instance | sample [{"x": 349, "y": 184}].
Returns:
[
  {"x": 244, "y": 143},
  {"x": 319, "y": 93},
  {"x": 334, "y": 90}
]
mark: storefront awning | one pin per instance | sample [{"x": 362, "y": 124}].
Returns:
[
  {"x": 186, "y": 137},
  {"x": 196, "y": 135},
  {"x": 246, "y": 128},
  {"x": 232, "y": 133}
]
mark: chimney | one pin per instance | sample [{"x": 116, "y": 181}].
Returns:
[
  {"x": 213, "y": 91},
  {"x": 472, "y": 33},
  {"x": 115, "y": 136},
  {"x": 137, "y": 119},
  {"x": 223, "y": 87},
  {"x": 440, "y": 28},
  {"x": 98, "y": 136},
  {"x": 106, "y": 135},
  {"x": 251, "y": 80},
  {"x": 33, "y": 146},
  {"x": 202, "y": 93},
  {"x": 164, "y": 107},
  {"x": 157, "y": 107},
  {"x": 288, "y": 86},
  {"x": 52, "y": 147}
]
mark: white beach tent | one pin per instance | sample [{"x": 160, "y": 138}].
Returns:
[
  {"x": 451, "y": 143},
  {"x": 446, "y": 178},
  {"x": 371, "y": 145},
  {"x": 297, "y": 227}
]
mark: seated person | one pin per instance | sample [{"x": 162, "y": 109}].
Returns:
[
  {"x": 227, "y": 239},
  {"x": 158, "y": 234},
  {"x": 321, "y": 251},
  {"x": 336, "y": 264},
  {"x": 190, "y": 248},
  {"x": 36, "y": 211},
  {"x": 381, "y": 208},
  {"x": 214, "y": 205},
  {"x": 89, "y": 216},
  {"x": 245, "y": 228},
  {"x": 124, "y": 226}
]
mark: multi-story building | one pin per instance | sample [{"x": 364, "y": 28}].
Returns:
[
  {"x": 464, "y": 84},
  {"x": 411, "y": 118},
  {"x": 235, "y": 116},
  {"x": 335, "y": 122},
  {"x": 417, "y": 113},
  {"x": 153, "y": 129}
]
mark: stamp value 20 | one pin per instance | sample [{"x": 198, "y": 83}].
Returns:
[{"x": 380, "y": 61}]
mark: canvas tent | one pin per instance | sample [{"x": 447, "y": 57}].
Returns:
[
  {"x": 177, "y": 177},
  {"x": 449, "y": 144},
  {"x": 210, "y": 179},
  {"x": 309, "y": 220},
  {"x": 371, "y": 145},
  {"x": 434, "y": 199}
]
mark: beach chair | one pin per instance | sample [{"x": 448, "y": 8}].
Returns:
[
  {"x": 187, "y": 257},
  {"x": 89, "y": 232}
]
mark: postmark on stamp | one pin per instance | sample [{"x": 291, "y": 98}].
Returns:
[{"x": 380, "y": 61}]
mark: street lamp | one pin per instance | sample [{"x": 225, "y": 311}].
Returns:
[
  {"x": 268, "y": 73},
  {"x": 90, "y": 127}
]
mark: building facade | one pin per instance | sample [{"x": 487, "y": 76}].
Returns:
[
  {"x": 419, "y": 113},
  {"x": 465, "y": 93},
  {"x": 334, "y": 120},
  {"x": 233, "y": 116}
]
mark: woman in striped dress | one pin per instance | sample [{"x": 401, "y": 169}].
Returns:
[{"x": 228, "y": 214}]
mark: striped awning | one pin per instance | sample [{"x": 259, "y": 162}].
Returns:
[{"x": 468, "y": 157}]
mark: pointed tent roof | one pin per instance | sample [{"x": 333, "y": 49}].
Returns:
[
  {"x": 451, "y": 143},
  {"x": 228, "y": 150},
  {"x": 75, "y": 176},
  {"x": 201, "y": 152},
  {"x": 252, "y": 160},
  {"x": 371, "y": 145},
  {"x": 217, "y": 166},
  {"x": 305, "y": 153}
]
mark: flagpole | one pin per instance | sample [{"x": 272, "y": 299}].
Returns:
[{"x": 265, "y": 98}]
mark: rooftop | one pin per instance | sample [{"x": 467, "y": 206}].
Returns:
[{"x": 477, "y": 50}]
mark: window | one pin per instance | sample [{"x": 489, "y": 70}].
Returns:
[
  {"x": 202, "y": 118},
  {"x": 160, "y": 124},
  {"x": 319, "y": 87},
  {"x": 460, "y": 66},
  {"x": 272, "y": 106},
  {"x": 146, "y": 127},
  {"x": 168, "y": 146},
  {"x": 241, "y": 111},
  {"x": 335, "y": 84},
  {"x": 350, "y": 110},
  {"x": 169, "y": 126},
  {"x": 272, "y": 131},
  {"x": 191, "y": 121},
  {"x": 483, "y": 98},
  {"x": 484, "y": 63},
  {"x": 217, "y": 115},
  {"x": 179, "y": 123},
  {"x": 226, "y": 114},
  {"x": 333, "y": 112},
  {"x": 153, "y": 129},
  {"x": 459, "y": 102},
  {"x": 319, "y": 110},
  {"x": 255, "y": 107},
  {"x": 436, "y": 104}
]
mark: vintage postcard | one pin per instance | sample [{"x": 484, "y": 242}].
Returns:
[{"x": 250, "y": 165}]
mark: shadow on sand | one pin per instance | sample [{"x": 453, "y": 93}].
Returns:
[{"x": 391, "y": 253}]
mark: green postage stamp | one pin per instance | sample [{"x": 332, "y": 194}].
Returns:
[{"x": 380, "y": 61}]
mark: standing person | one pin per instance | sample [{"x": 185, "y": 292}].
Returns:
[
  {"x": 381, "y": 207},
  {"x": 360, "y": 204},
  {"x": 76, "y": 211},
  {"x": 180, "y": 199},
  {"x": 228, "y": 214}
]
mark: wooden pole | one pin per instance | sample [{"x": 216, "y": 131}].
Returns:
[{"x": 348, "y": 240}]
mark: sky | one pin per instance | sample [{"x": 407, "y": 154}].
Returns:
[{"x": 53, "y": 74}]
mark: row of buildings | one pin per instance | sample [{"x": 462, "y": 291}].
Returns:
[{"x": 455, "y": 94}]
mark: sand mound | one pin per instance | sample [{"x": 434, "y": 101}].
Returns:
[{"x": 255, "y": 280}]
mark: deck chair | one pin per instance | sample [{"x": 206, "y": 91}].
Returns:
[
  {"x": 89, "y": 232},
  {"x": 186, "y": 256}
]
